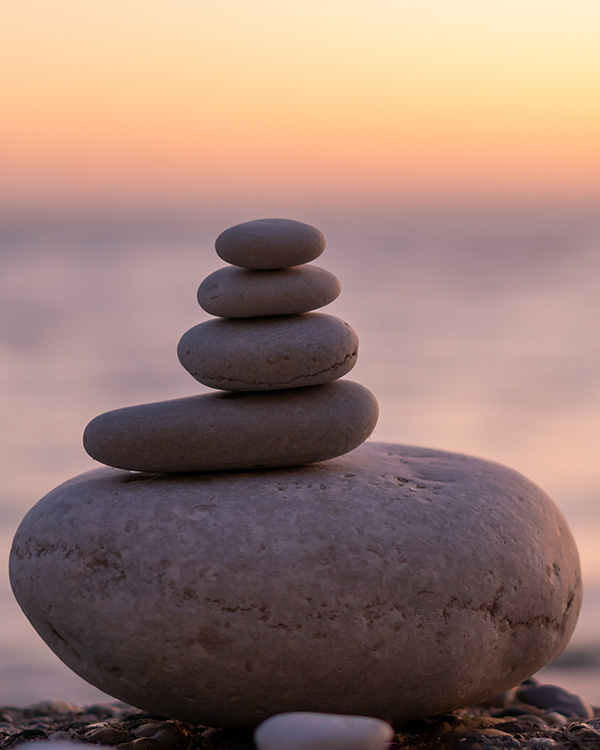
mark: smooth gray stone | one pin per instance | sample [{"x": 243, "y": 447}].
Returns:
[
  {"x": 265, "y": 354},
  {"x": 394, "y": 582},
  {"x": 240, "y": 293},
  {"x": 302, "y": 730},
  {"x": 216, "y": 431},
  {"x": 270, "y": 243}
]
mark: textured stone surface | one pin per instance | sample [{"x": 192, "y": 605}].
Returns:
[
  {"x": 314, "y": 731},
  {"x": 217, "y": 431},
  {"x": 270, "y": 243},
  {"x": 263, "y": 354},
  {"x": 240, "y": 293},
  {"x": 393, "y": 582}
]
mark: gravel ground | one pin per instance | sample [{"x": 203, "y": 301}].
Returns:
[{"x": 559, "y": 720}]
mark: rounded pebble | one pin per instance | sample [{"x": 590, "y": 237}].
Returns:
[
  {"x": 555, "y": 719},
  {"x": 107, "y": 735},
  {"x": 270, "y": 243},
  {"x": 50, "y": 707},
  {"x": 168, "y": 733},
  {"x": 240, "y": 293},
  {"x": 314, "y": 731},
  {"x": 341, "y": 587},
  {"x": 585, "y": 733},
  {"x": 102, "y": 710},
  {"x": 216, "y": 431},
  {"x": 555, "y": 698},
  {"x": 266, "y": 354},
  {"x": 540, "y": 743}
]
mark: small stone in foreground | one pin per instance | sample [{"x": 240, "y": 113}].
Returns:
[
  {"x": 315, "y": 731},
  {"x": 554, "y": 698},
  {"x": 270, "y": 243}
]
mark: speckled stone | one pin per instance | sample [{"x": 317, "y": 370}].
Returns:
[
  {"x": 216, "y": 431},
  {"x": 263, "y": 354},
  {"x": 240, "y": 293},
  {"x": 270, "y": 243},
  {"x": 313, "y": 731},
  {"x": 371, "y": 584}
]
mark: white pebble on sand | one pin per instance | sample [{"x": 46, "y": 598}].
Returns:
[{"x": 316, "y": 731}]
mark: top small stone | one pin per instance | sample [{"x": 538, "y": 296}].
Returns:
[{"x": 270, "y": 243}]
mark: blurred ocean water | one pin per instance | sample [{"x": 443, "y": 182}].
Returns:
[{"x": 479, "y": 333}]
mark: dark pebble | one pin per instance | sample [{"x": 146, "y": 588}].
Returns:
[
  {"x": 555, "y": 719},
  {"x": 583, "y": 731},
  {"x": 521, "y": 709},
  {"x": 49, "y": 708},
  {"x": 554, "y": 698},
  {"x": 101, "y": 711},
  {"x": 533, "y": 719},
  {"x": 74, "y": 725},
  {"x": 167, "y": 733},
  {"x": 487, "y": 740},
  {"x": 25, "y": 736},
  {"x": 526, "y": 724},
  {"x": 107, "y": 736}
]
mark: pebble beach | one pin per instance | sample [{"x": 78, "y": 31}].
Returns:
[{"x": 506, "y": 722}]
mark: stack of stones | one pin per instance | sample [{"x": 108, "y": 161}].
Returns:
[
  {"x": 310, "y": 573},
  {"x": 278, "y": 362}
]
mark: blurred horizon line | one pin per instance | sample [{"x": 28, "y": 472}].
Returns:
[{"x": 197, "y": 210}]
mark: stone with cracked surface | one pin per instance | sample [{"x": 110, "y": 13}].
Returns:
[
  {"x": 370, "y": 584},
  {"x": 240, "y": 293},
  {"x": 265, "y": 354},
  {"x": 270, "y": 243},
  {"x": 224, "y": 430},
  {"x": 302, "y": 730}
]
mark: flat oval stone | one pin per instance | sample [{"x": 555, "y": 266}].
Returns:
[
  {"x": 217, "y": 431},
  {"x": 264, "y": 354},
  {"x": 270, "y": 243},
  {"x": 302, "y": 730},
  {"x": 371, "y": 584},
  {"x": 240, "y": 293}
]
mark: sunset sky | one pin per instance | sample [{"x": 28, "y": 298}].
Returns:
[{"x": 106, "y": 101}]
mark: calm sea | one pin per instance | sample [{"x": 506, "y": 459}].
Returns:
[{"x": 479, "y": 333}]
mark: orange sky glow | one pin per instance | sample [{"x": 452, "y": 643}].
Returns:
[{"x": 149, "y": 100}]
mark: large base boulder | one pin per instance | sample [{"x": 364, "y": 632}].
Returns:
[{"x": 394, "y": 582}]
